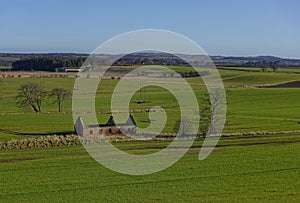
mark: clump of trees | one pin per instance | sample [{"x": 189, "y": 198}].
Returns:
[
  {"x": 32, "y": 95},
  {"x": 46, "y": 63}
]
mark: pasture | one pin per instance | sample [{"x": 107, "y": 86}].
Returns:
[
  {"x": 240, "y": 169},
  {"x": 247, "y": 168},
  {"x": 249, "y": 109}
]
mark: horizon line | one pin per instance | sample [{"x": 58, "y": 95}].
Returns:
[{"x": 210, "y": 55}]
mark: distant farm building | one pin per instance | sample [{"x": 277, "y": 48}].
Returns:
[
  {"x": 73, "y": 70},
  {"x": 60, "y": 69},
  {"x": 89, "y": 67},
  {"x": 110, "y": 128},
  {"x": 86, "y": 68}
]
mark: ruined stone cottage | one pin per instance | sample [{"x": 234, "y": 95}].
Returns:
[{"x": 110, "y": 128}]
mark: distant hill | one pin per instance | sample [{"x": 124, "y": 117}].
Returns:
[
  {"x": 257, "y": 61},
  {"x": 19, "y": 61}
]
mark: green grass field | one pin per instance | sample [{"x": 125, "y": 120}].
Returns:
[
  {"x": 238, "y": 78},
  {"x": 241, "y": 169},
  {"x": 260, "y": 168},
  {"x": 249, "y": 109}
]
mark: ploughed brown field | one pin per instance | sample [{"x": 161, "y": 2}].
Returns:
[{"x": 293, "y": 84}]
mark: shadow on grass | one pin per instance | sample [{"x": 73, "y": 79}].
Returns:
[{"x": 36, "y": 134}]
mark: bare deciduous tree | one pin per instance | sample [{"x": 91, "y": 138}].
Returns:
[
  {"x": 205, "y": 114},
  {"x": 31, "y": 94},
  {"x": 60, "y": 95}
]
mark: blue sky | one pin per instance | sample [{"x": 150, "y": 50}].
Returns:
[{"x": 240, "y": 27}]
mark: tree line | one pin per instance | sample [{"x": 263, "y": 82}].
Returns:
[
  {"x": 46, "y": 63},
  {"x": 32, "y": 95}
]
